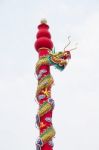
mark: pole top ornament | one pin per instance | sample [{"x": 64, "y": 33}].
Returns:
[
  {"x": 43, "y": 37},
  {"x": 43, "y": 20}
]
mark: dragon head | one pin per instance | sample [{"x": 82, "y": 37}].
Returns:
[{"x": 59, "y": 60}]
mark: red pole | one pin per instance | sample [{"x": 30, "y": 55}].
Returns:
[{"x": 44, "y": 46}]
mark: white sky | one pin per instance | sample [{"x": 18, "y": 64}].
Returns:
[{"x": 76, "y": 115}]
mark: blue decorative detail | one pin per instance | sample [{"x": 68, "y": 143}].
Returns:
[
  {"x": 39, "y": 142},
  {"x": 41, "y": 73},
  {"x": 51, "y": 143},
  {"x": 51, "y": 101},
  {"x": 39, "y": 76},
  {"x": 48, "y": 119},
  {"x": 42, "y": 96},
  {"x": 38, "y": 147},
  {"x": 37, "y": 119}
]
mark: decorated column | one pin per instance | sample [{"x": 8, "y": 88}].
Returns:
[{"x": 47, "y": 58}]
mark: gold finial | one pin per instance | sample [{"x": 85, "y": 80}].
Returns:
[{"x": 43, "y": 21}]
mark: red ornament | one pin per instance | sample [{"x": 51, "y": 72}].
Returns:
[{"x": 43, "y": 38}]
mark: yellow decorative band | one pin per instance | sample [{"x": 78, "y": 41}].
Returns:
[
  {"x": 47, "y": 135},
  {"x": 42, "y": 61},
  {"x": 45, "y": 107}
]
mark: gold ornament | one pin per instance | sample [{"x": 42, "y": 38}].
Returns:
[{"x": 46, "y": 92}]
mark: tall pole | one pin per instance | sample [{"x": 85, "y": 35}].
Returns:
[{"x": 47, "y": 58}]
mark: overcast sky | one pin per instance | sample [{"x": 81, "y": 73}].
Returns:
[{"x": 76, "y": 89}]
